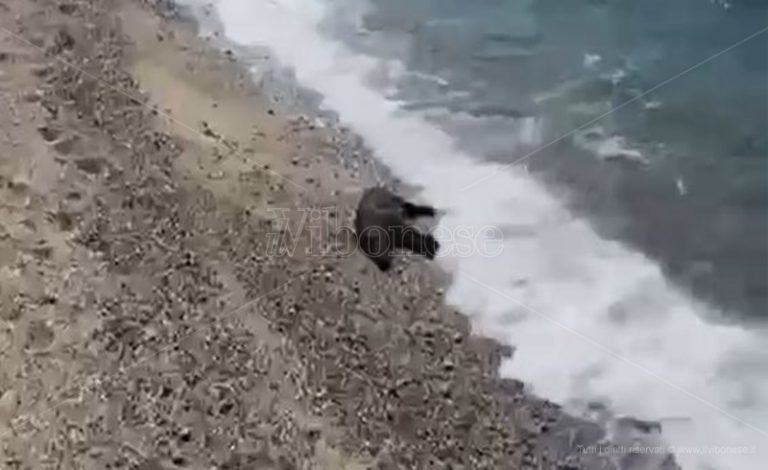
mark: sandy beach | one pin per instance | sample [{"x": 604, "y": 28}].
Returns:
[{"x": 150, "y": 322}]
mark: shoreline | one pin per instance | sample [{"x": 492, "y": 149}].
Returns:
[{"x": 174, "y": 339}]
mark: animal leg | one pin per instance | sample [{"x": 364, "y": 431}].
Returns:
[
  {"x": 412, "y": 210},
  {"x": 419, "y": 243},
  {"x": 383, "y": 262},
  {"x": 377, "y": 247}
]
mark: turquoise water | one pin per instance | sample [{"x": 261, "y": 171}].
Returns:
[{"x": 698, "y": 202}]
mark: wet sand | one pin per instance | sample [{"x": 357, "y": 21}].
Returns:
[{"x": 149, "y": 321}]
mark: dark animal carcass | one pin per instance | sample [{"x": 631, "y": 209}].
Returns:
[{"x": 382, "y": 227}]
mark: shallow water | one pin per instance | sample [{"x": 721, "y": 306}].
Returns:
[{"x": 697, "y": 203}]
